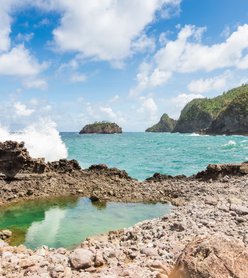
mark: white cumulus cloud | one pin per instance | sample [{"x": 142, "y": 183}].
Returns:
[
  {"x": 108, "y": 111},
  {"x": 201, "y": 85},
  {"x": 187, "y": 54},
  {"x": 22, "y": 110},
  {"x": 148, "y": 105},
  {"x": 19, "y": 62},
  {"x": 107, "y": 29}
]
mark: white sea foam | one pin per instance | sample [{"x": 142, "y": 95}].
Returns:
[
  {"x": 42, "y": 139},
  {"x": 230, "y": 143},
  {"x": 197, "y": 134}
]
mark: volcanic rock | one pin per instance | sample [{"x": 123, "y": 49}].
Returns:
[
  {"x": 217, "y": 171},
  {"x": 13, "y": 156}
]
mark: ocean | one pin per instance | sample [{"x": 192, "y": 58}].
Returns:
[{"x": 142, "y": 154}]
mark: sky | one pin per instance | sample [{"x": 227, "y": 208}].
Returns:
[{"x": 75, "y": 62}]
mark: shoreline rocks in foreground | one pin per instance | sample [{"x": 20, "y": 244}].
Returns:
[
  {"x": 209, "y": 222},
  {"x": 102, "y": 128}
]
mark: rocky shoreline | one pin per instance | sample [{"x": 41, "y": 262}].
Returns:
[{"x": 206, "y": 234}]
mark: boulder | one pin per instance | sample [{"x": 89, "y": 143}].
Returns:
[
  {"x": 13, "y": 156},
  {"x": 215, "y": 256},
  {"x": 82, "y": 258}
]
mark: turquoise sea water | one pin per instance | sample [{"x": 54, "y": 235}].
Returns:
[
  {"x": 66, "y": 222},
  {"x": 142, "y": 154}
]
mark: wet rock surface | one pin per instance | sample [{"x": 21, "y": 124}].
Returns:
[{"x": 206, "y": 208}]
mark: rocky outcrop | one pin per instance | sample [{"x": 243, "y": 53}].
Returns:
[
  {"x": 103, "y": 169},
  {"x": 165, "y": 124},
  {"x": 224, "y": 114},
  {"x": 150, "y": 248},
  {"x": 39, "y": 166},
  {"x": 232, "y": 120},
  {"x": 14, "y": 159},
  {"x": 193, "y": 117},
  {"x": 101, "y": 127},
  {"x": 13, "y": 156},
  {"x": 218, "y": 171},
  {"x": 214, "y": 256}
]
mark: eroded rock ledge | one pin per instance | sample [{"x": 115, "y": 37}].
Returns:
[{"x": 210, "y": 220}]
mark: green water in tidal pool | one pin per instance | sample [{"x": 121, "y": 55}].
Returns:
[{"x": 67, "y": 222}]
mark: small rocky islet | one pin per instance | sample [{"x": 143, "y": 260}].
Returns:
[
  {"x": 165, "y": 124},
  {"x": 101, "y": 128},
  {"x": 205, "y": 235},
  {"x": 226, "y": 114}
]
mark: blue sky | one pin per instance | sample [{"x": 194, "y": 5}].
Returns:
[{"x": 128, "y": 61}]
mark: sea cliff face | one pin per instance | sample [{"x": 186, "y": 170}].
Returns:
[
  {"x": 165, "y": 124},
  {"x": 224, "y": 114},
  {"x": 232, "y": 120},
  {"x": 101, "y": 127},
  {"x": 194, "y": 117}
]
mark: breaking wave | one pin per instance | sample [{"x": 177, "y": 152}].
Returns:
[
  {"x": 230, "y": 144},
  {"x": 42, "y": 139}
]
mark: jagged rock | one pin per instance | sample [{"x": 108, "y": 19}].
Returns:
[
  {"x": 102, "y": 168},
  {"x": 216, "y": 171},
  {"x": 163, "y": 177},
  {"x": 35, "y": 165},
  {"x": 101, "y": 127},
  {"x": 13, "y": 156},
  {"x": 165, "y": 124},
  {"x": 64, "y": 165},
  {"x": 213, "y": 256}
]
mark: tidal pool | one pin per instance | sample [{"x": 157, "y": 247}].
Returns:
[{"x": 68, "y": 221}]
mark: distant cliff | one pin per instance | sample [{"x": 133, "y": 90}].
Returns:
[
  {"x": 233, "y": 119},
  {"x": 165, "y": 124},
  {"x": 225, "y": 114},
  {"x": 195, "y": 116},
  {"x": 101, "y": 127}
]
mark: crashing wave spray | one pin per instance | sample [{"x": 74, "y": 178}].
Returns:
[{"x": 42, "y": 139}]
